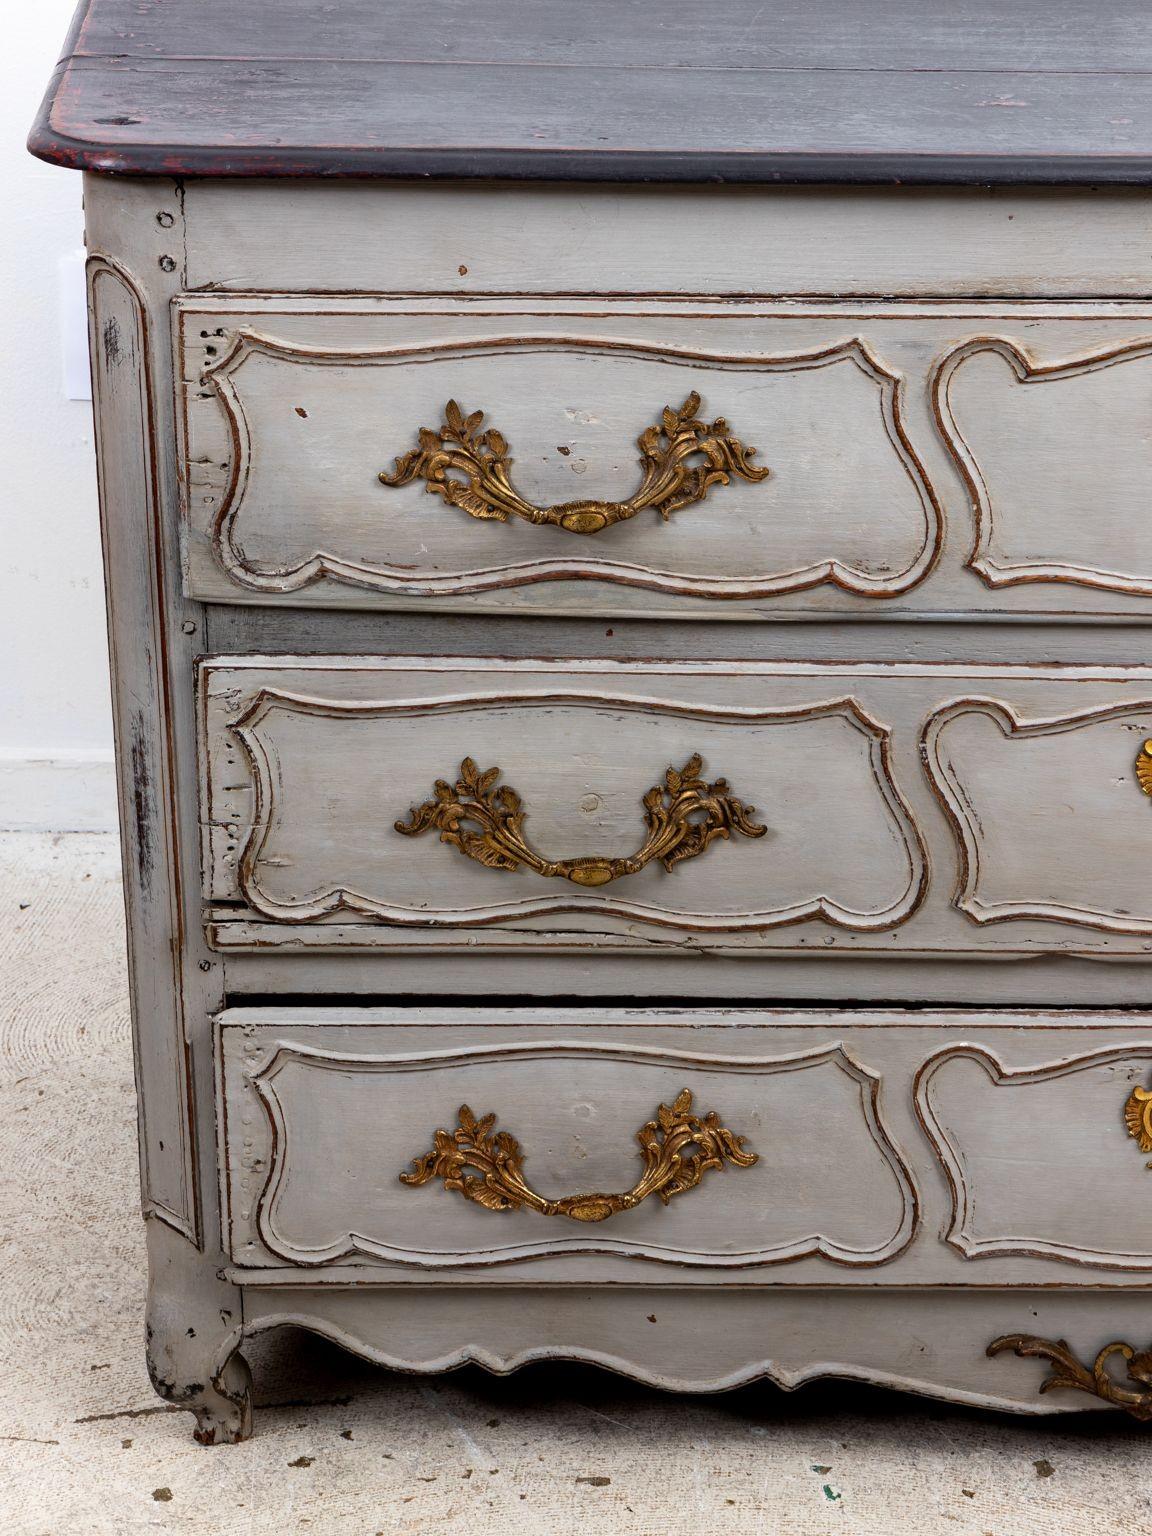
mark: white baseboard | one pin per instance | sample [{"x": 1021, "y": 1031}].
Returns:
[{"x": 60, "y": 791}]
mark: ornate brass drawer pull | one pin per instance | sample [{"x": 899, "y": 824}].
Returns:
[
  {"x": 683, "y": 816},
  {"x": 678, "y": 1149},
  {"x": 681, "y": 458}
]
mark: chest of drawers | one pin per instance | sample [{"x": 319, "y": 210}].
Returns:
[{"x": 629, "y": 578}]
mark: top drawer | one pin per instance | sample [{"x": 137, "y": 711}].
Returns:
[{"x": 685, "y": 459}]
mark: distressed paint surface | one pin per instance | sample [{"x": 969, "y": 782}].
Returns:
[{"x": 919, "y": 839}]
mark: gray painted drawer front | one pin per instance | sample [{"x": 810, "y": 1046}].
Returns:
[
  {"x": 904, "y": 1148},
  {"x": 908, "y": 810},
  {"x": 925, "y": 458},
  {"x": 926, "y": 1182}
]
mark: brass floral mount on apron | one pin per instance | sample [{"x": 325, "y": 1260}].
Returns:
[{"x": 1133, "y": 1395}]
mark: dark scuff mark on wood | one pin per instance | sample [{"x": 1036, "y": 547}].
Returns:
[
  {"x": 110, "y": 337},
  {"x": 142, "y": 801}
]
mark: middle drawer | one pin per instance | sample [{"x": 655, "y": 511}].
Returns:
[{"x": 909, "y": 810}]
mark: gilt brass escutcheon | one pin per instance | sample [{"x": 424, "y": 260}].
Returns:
[
  {"x": 1144, "y": 767},
  {"x": 487, "y": 1167},
  {"x": 1138, "y": 1118},
  {"x": 485, "y": 820},
  {"x": 681, "y": 459},
  {"x": 1138, "y": 1109}
]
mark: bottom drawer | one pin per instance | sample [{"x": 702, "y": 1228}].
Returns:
[{"x": 669, "y": 1146}]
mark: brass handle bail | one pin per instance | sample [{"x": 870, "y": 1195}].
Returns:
[
  {"x": 487, "y": 1166},
  {"x": 485, "y": 820},
  {"x": 681, "y": 458}
]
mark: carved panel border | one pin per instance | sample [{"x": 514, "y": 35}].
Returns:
[
  {"x": 958, "y": 1232},
  {"x": 966, "y": 825},
  {"x": 263, "y": 766},
  {"x": 1002, "y": 574},
  {"x": 128, "y": 460},
  {"x": 263, "y": 1080},
  {"x": 219, "y": 378}
]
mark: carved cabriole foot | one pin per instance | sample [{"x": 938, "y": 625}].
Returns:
[
  {"x": 193, "y": 1339},
  {"x": 222, "y": 1405},
  {"x": 224, "y": 1412}
]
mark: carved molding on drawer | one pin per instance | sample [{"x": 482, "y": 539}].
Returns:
[
  {"x": 1082, "y": 472},
  {"x": 830, "y": 1181},
  {"x": 1033, "y": 1152},
  {"x": 850, "y": 793},
  {"x": 908, "y": 525},
  {"x": 1043, "y": 801}
]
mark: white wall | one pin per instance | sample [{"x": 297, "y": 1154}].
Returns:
[{"x": 55, "y": 725}]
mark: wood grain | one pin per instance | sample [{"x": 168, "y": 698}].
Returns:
[{"x": 1041, "y": 94}]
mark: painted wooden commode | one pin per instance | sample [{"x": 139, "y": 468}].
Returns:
[{"x": 629, "y": 578}]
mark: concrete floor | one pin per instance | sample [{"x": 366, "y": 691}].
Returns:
[{"x": 87, "y": 1449}]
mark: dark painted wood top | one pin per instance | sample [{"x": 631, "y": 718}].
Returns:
[{"x": 608, "y": 90}]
